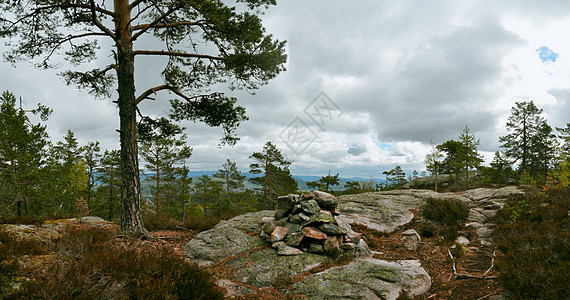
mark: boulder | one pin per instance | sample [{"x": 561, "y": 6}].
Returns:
[
  {"x": 366, "y": 278},
  {"x": 325, "y": 200},
  {"x": 226, "y": 239}
]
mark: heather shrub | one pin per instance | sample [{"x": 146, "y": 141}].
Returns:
[
  {"x": 10, "y": 249},
  {"x": 28, "y": 220},
  {"x": 533, "y": 235},
  {"x": 91, "y": 266},
  {"x": 445, "y": 211},
  {"x": 159, "y": 221}
]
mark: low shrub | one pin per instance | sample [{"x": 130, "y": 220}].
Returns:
[
  {"x": 159, "y": 221},
  {"x": 27, "y": 220},
  {"x": 445, "y": 211},
  {"x": 10, "y": 249},
  {"x": 91, "y": 266},
  {"x": 533, "y": 235},
  {"x": 536, "y": 259}
]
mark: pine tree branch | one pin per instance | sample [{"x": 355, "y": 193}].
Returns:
[
  {"x": 144, "y": 28},
  {"x": 176, "y": 54},
  {"x": 98, "y": 23}
]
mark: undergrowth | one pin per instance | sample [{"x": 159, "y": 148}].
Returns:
[
  {"x": 89, "y": 264},
  {"x": 534, "y": 234},
  {"x": 448, "y": 215}
]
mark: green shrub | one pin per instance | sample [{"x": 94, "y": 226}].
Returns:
[
  {"x": 91, "y": 266},
  {"x": 445, "y": 211}
]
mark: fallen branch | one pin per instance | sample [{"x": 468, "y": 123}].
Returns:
[
  {"x": 492, "y": 263},
  {"x": 467, "y": 276}
]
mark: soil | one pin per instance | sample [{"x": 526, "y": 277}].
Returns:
[{"x": 475, "y": 276}]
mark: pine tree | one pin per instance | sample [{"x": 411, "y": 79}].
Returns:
[
  {"x": 163, "y": 148},
  {"x": 324, "y": 183},
  {"x": 451, "y": 163},
  {"x": 22, "y": 148},
  {"x": 501, "y": 169},
  {"x": 203, "y": 43},
  {"x": 398, "y": 176},
  {"x": 276, "y": 179},
  {"x": 543, "y": 145},
  {"x": 207, "y": 194},
  {"x": 468, "y": 154},
  {"x": 231, "y": 179},
  {"x": 522, "y": 143}
]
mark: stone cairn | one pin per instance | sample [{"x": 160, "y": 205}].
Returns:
[{"x": 310, "y": 223}]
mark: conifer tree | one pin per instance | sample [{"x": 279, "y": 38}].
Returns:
[
  {"x": 520, "y": 144},
  {"x": 91, "y": 157},
  {"x": 163, "y": 148},
  {"x": 22, "y": 150},
  {"x": 276, "y": 179},
  {"x": 202, "y": 44},
  {"x": 468, "y": 154},
  {"x": 231, "y": 179},
  {"x": 109, "y": 176}
]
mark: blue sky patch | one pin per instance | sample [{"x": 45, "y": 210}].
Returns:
[{"x": 547, "y": 55}]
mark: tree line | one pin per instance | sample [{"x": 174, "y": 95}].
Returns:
[
  {"x": 532, "y": 153},
  {"x": 46, "y": 179}
]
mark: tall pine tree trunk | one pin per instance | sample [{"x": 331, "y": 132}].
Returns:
[{"x": 131, "y": 213}]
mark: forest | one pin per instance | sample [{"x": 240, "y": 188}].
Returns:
[{"x": 44, "y": 179}]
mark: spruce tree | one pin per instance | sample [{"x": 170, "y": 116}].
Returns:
[{"x": 109, "y": 188}]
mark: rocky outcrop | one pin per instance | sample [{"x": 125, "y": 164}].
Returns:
[
  {"x": 235, "y": 245},
  {"x": 251, "y": 262},
  {"x": 381, "y": 211}
]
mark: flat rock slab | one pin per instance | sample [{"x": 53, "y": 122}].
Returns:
[
  {"x": 485, "y": 193},
  {"x": 367, "y": 278},
  {"x": 382, "y": 211},
  {"x": 264, "y": 268}
]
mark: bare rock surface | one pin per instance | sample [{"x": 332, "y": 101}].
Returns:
[
  {"x": 366, "y": 278},
  {"x": 236, "y": 244}
]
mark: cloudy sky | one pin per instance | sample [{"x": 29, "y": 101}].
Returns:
[{"x": 368, "y": 86}]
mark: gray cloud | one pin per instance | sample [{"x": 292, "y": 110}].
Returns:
[{"x": 402, "y": 72}]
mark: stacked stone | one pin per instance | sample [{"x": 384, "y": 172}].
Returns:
[{"x": 309, "y": 223}]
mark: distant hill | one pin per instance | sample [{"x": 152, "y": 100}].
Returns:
[{"x": 301, "y": 180}]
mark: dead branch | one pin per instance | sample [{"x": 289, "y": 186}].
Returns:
[{"x": 468, "y": 276}]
